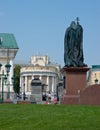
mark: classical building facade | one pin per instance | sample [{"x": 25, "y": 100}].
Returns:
[
  {"x": 94, "y": 75},
  {"x": 41, "y": 67},
  {"x": 8, "y": 51}
]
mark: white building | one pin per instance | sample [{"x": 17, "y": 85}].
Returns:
[
  {"x": 8, "y": 50},
  {"x": 41, "y": 67},
  {"x": 94, "y": 75}
]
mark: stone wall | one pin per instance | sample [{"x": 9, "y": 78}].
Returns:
[{"x": 90, "y": 95}]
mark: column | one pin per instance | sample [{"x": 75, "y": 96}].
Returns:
[
  {"x": 21, "y": 84},
  {"x": 48, "y": 86},
  {"x": 40, "y": 77},
  {"x": 10, "y": 76},
  {"x": 25, "y": 83},
  {"x": 54, "y": 84},
  {"x": 32, "y": 76}
]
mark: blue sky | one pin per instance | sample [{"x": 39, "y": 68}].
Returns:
[{"x": 39, "y": 27}]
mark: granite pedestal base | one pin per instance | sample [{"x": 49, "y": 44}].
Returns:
[{"x": 75, "y": 82}]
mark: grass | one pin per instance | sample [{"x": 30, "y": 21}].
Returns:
[{"x": 49, "y": 117}]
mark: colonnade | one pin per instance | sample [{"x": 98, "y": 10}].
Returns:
[{"x": 50, "y": 81}]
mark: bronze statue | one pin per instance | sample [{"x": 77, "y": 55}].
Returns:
[{"x": 73, "y": 45}]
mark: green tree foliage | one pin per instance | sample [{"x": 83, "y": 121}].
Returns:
[{"x": 17, "y": 79}]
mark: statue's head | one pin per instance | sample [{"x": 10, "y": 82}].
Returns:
[{"x": 73, "y": 25}]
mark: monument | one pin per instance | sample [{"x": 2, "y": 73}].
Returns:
[
  {"x": 36, "y": 91},
  {"x": 75, "y": 69}
]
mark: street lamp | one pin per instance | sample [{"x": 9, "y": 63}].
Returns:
[
  {"x": 96, "y": 81},
  {"x": 4, "y": 77},
  {"x": 7, "y": 66}
]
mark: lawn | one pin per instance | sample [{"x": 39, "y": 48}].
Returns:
[{"x": 49, "y": 117}]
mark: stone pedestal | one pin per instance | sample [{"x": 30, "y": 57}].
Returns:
[
  {"x": 36, "y": 91},
  {"x": 75, "y": 81}
]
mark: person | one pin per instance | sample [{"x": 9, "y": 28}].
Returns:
[
  {"x": 55, "y": 100},
  {"x": 73, "y": 49}
]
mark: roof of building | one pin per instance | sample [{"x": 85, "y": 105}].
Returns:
[
  {"x": 7, "y": 40},
  {"x": 95, "y": 68}
]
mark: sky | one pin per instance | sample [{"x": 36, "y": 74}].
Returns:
[{"x": 39, "y": 27}]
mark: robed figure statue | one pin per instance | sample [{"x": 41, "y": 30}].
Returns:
[{"x": 73, "y": 46}]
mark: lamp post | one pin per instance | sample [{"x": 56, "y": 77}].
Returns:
[
  {"x": 4, "y": 78},
  {"x": 96, "y": 81},
  {"x": 7, "y": 66}
]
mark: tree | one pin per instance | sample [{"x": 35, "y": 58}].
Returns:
[{"x": 17, "y": 79}]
